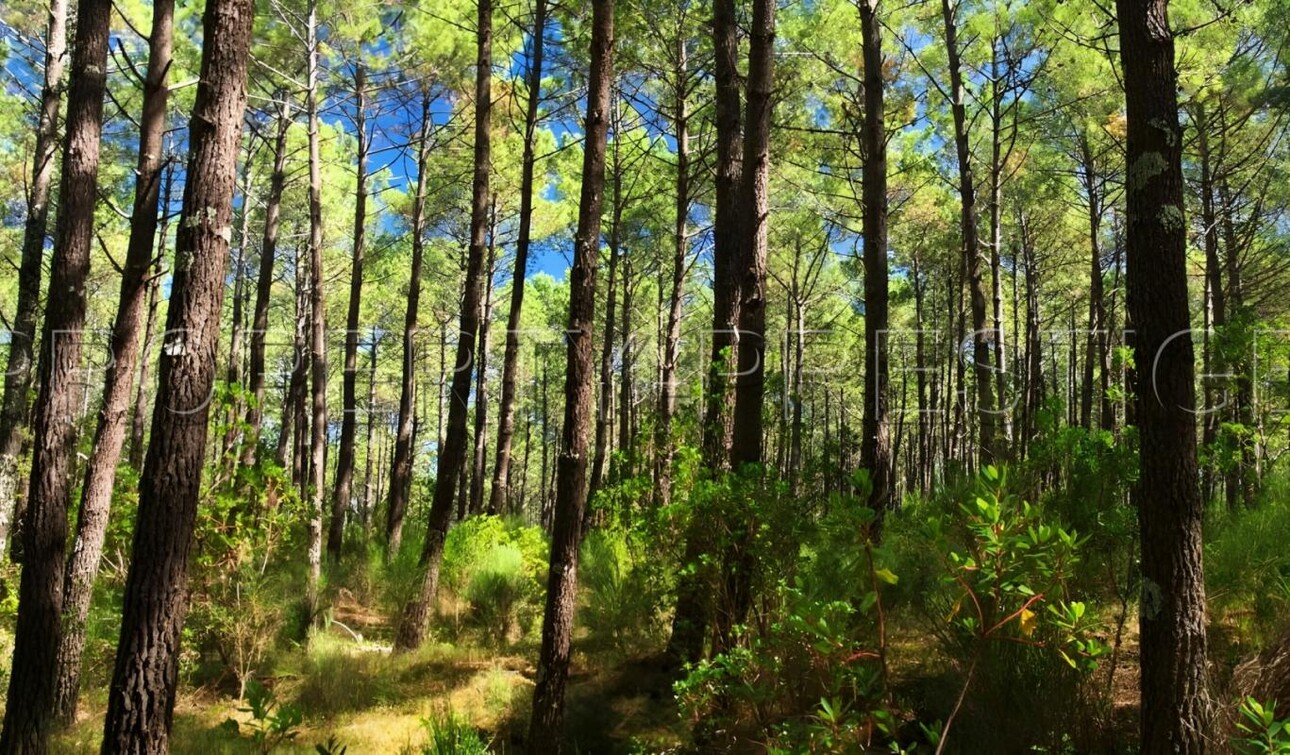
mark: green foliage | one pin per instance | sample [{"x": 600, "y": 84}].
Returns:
[
  {"x": 273, "y": 724},
  {"x": 332, "y": 746},
  {"x": 1004, "y": 610},
  {"x": 1086, "y": 476},
  {"x": 451, "y": 735},
  {"x": 501, "y": 592},
  {"x": 624, "y": 592},
  {"x": 1262, "y": 733},
  {"x": 1247, "y": 569},
  {"x": 239, "y": 587},
  {"x": 497, "y": 566},
  {"x": 1007, "y": 573},
  {"x": 811, "y": 673},
  {"x": 338, "y": 677}
]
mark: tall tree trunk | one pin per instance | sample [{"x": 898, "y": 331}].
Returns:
[
  {"x": 452, "y": 456},
  {"x": 547, "y": 722},
  {"x": 264, "y": 289},
  {"x": 343, "y": 492},
  {"x": 1095, "y": 349},
  {"x": 718, "y": 416},
  {"x": 987, "y": 453},
  {"x": 100, "y": 475},
  {"x": 546, "y": 442},
  {"x": 43, "y": 528},
  {"x": 747, "y": 440},
  {"x": 516, "y": 505},
  {"x": 480, "y": 455},
  {"x": 1216, "y": 299},
  {"x": 875, "y": 446},
  {"x": 499, "y": 496},
  {"x": 1175, "y": 716},
  {"x": 1034, "y": 344},
  {"x": 626, "y": 399},
  {"x": 693, "y": 611},
  {"x": 233, "y": 374},
  {"x": 1243, "y": 484},
  {"x": 797, "y": 378},
  {"x": 604, "y": 396},
  {"x": 369, "y": 491},
  {"x": 997, "y": 176},
  {"x": 922, "y": 473},
  {"x": 144, "y": 680},
  {"x": 139, "y": 416},
  {"x": 298, "y": 396},
  {"x": 317, "y": 326},
  {"x": 401, "y": 468},
  {"x": 663, "y": 445},
  {"x": 17, "y": 377}
]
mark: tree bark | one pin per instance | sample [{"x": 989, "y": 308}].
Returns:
[
  {"x": 401, "y": 468},
  {"x": 746, "y": 446},
  {"x": 100, "y": 475},
  {"x": 343, "y": 491},
  {"x": 30, "y": 703},
  {"x": 452, "y": 455},
  {"x": 875, "y": 448},
  {"x": 1175, "y": 716},
  {"x": 547, "y": 722},
  {"x": 14, "y": 406},
  {"x": 499, "y": 496},
  {"x": 718, "y": 415},
  {"x": 144, "y": 680}
]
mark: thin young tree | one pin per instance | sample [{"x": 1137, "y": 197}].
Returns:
[
  {"x": 663, "y": 441},
  {"x": 317, "y": 322},
  {"x": 479, "y": 454},
  {"x": 29, "y": 707},
  {"x": 452, "y": 457},
  {"x": 144, "y": 679},
  {"x": 401, "y": 465},
  {"x": 100, "y": 473},
  {"x": 139, "y": 413},
  {"x": 264, "y": 286},
  {"x": 1175, "y": 716},
  {"x": 547, "y": 723},
  {"x": 22, "y": 338},
  {"x": 969, "y": 225},
  {"x": 349, "y": 382},
  {"x": 499, "y": 495}
]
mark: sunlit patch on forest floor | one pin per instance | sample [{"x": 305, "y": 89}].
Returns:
[{"x": 361, "y": 696}]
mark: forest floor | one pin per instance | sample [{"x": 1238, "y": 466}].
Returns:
[
  {"x": 357, "y": 694},
  {"x": 354, "y": 692}
]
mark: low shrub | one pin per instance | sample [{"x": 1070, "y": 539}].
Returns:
[{"x": 1247, "y": 574}]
